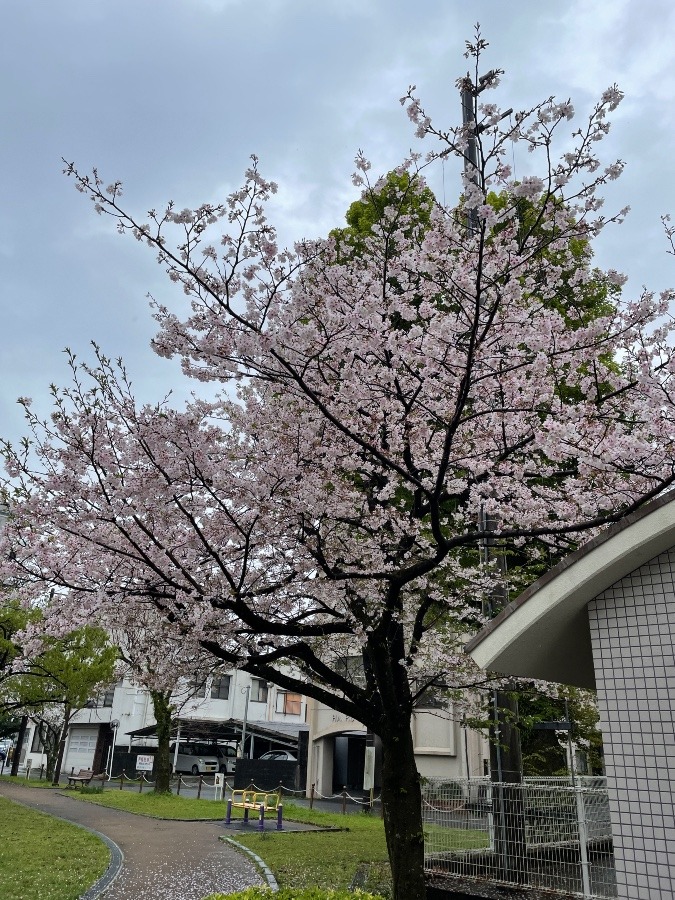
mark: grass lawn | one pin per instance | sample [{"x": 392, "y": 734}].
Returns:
[
  {"x": 298, "y": 859},
  {"x": 21, "y": 780},
  {"x": 326, "y": 859},
  {"x": 161, "y": 806},
  {"x": 42, "y": 858}
]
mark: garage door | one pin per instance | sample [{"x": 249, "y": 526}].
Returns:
[{"x": 81, "y": 748}]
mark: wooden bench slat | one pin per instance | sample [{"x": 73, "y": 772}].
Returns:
[{"x": 85, "y": 776}]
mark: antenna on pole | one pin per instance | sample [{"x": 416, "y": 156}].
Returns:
[{"x": 469, "y": 92}]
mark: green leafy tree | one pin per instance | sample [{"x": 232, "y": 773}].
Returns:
[
  {"x": 56, "y": 680},
  {"x": 396, "y": 197},
  {"x": 545, "y": 750}
]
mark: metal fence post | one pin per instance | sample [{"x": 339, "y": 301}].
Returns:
[{"x": 583, "y": 841}]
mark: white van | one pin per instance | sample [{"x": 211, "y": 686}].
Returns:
[
  {"x": 190, "y": 759},
  {"x": 226, "y": 754},
  {"x": 227, "y": 757}
]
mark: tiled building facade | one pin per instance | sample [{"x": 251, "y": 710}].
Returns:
[
  {"x": 604, "y": 618},
  {"x": 633, "y": 635}
]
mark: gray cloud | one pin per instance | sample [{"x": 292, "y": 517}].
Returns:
[{"x": 173, "y": 98}]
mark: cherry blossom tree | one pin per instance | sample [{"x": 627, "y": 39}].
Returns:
[
  {"x": 158, "y": 659},
  {"x": 376, "y": 407}
]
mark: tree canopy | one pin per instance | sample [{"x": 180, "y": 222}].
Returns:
[
  {"x": 376, "y": 406},
  {"x": 54, "y": 679}
]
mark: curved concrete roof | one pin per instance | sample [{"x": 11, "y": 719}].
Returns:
[{"x": 544, "y": 633}]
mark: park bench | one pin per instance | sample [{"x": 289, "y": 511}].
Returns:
[
  {"x": 85, "y": 776},
  {"x": 260, "y": 801}
]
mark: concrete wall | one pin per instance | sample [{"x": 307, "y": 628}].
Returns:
[{"x": 633, "y": 634}]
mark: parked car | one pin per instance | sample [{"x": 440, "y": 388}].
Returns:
[
  {"x": 279, "y": 754},
  {"x": 190, "y": 759},
  {"x": 226, "y": 755}
]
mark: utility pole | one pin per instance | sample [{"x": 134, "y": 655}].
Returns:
[
  {"x": 505, "y": 752},
  {"x": 469, "y": 92}
]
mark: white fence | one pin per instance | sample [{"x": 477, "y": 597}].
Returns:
[{"x": 546, "y": 833}]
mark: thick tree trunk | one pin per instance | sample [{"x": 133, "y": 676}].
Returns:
[
  {"x": 161, "y": 704},
  {"x": 402, "y": 807},
  {"x": 16, "y": 759},
  {"x": 61, "y": 746}
]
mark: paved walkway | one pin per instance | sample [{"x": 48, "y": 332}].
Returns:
[{"x": 163, "y": 859}]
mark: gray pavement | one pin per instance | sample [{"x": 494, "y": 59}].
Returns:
[{"x": 163, "y": 860}]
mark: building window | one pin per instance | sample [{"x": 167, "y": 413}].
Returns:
[
  {"x": 432, "y": 698},
  {"x": 258, "y": 690},
  {"x": 38, "y": 739},
  {"x": 289, "y": 704},
  {"x": 220, "y": 688},
  {"x": 43, "y": 735},
  {"x": 351, "y": 668},
  {"x": 104, "y": 698},
  {"x": 198, "y": 687}
]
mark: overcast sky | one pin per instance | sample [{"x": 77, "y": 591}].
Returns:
[{"x": 172, "y": 97}]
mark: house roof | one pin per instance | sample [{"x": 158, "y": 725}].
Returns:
[{"x": 544, "y": 633}]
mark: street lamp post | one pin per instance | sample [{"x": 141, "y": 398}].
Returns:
[
  {"x": 115, "y": 724},
  {"x": 247, "y": 691}
]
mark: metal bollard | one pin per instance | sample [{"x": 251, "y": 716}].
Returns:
[
  {"x": 199, "y": 787},
  {"x": 140, "y": 785},
  {"x": 344, "y": 799},
  {"x": 261, "y": 817},
  {"x": 178, "y": 786},
  {"x": 122, "y": 779},
  {"x": 228, "y": 814},
  {"x": 311, "y": 798},
  {"x": 280, "y": 817}
]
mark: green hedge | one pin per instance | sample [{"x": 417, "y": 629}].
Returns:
[{"x": 312, "y": 893}]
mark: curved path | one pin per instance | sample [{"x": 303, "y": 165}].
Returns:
[{"x": 163, "y": 859}]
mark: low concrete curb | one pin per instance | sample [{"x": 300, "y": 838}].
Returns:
[
  {"x": 113, "y": 870},
  {"x": 265, "y": 870}
]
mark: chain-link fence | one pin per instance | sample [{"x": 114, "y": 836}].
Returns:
[{"x": 546, "y": 833}]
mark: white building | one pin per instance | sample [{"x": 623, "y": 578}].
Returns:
[
  {"x": 104, "y": 735},
  {"x": 337, "y": 745},
  {"x": 118, "y": 724}
]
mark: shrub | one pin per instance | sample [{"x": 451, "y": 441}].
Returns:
[
  {"x": 91, "y": 789},
  {"x": 311, "y": 893}
]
